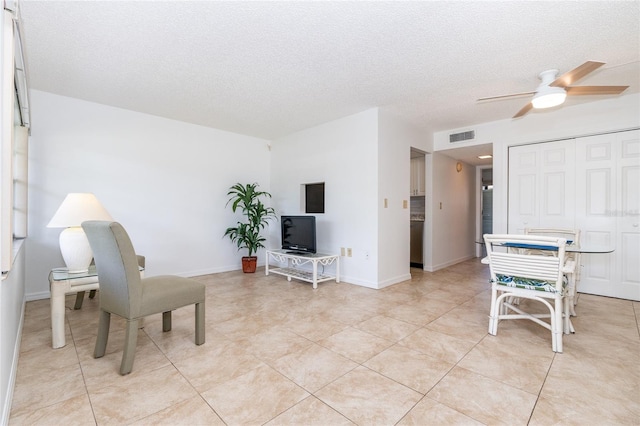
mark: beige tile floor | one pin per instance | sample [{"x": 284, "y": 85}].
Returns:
[{"x": 281, "y": 353}]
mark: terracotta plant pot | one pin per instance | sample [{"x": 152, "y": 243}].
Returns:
[{"x": 249, "y": 264}]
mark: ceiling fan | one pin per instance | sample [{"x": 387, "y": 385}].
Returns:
[{"x": 552, "y": 91}]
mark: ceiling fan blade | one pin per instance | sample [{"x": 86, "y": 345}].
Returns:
[
  {"x": 576, "y": 74},
  {"x": 525, "y": 109},
  {"x": 595, "y": 90},
  {"x": 513, "y": 95}
]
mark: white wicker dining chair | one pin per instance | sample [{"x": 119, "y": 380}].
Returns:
[
  {"x": 572, "y": 260},
  {"x": 536, "y": 277}
]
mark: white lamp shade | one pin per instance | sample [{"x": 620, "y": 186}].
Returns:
[{"x": 75, "y": 209}]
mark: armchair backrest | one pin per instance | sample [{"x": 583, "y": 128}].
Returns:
[
  {"x": 117, "y": 267},
  {"x": 571, "y": 235},
  {"x": 506, "y": 262}
]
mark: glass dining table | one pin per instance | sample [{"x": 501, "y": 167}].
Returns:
[
  {"x": 571, "y": 265},
  {"x": 569, "y": 248}
]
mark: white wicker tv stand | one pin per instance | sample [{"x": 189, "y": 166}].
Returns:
[{"x": 294, "y": 260}]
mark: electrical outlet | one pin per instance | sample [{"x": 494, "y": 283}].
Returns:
[
  {"x": 342, "y": 251},
  {"x": 349, "y": 252},
  {"x": 386, "y": 203},
  {"x": 366, "y": 255},
  {"x": 404, "y": 204}
]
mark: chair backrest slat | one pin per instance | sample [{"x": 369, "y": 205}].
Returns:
[
  {"x": 527, "y": 266},
  {"x": 510, "y": 262}
]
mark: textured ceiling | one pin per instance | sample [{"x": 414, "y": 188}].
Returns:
[{"x": 268, "y": 69}]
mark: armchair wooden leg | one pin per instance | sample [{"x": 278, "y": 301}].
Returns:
[
  {"x": 566, "y": 316},
  {"x": 557, "y": 325},
  {"x": 493, "y": 311},
  {"x": 131, "y": 339},
  {"x": 200, "y": 323},
  {"x": 166, "y": 321},
  {"x": 103, "y": 334}
]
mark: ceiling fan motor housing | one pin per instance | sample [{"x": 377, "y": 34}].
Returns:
[
  {"x": 547, "y": 77},
  {"x": 547, "y": 96}
]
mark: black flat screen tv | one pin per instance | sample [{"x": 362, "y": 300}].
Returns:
[{"x": 298, "y": 233}]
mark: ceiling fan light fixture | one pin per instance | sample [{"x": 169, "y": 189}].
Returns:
[{"x": 548, "y": 97}]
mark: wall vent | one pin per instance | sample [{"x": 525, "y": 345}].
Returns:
[{"x": 463, "y": 136}]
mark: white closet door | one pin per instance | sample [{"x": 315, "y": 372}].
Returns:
[
  {"x": 629, "y": 219},
  {"x": 608, "y": 190},
  {"x": 542, "y": 186}
]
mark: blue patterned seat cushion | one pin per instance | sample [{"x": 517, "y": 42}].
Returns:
[{"x": 528, "y": 283}]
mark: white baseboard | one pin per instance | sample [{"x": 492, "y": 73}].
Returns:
[
  {"x": 395, "y": 280},
  {"x": 361, "y": 283},
  {"x": 435, "y": 268},
  {"x": 12, "y": 374},
  {"x": 37, "y": 296}
]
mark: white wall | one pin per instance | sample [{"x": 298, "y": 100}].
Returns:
[
  {"x": 165, "y": 181},
  {"x": 617, "y": 113},
  {"x": 11, "y": 316},
  {"x": 344, "y": 154},
  {"x": 586, "y": 118},
  {"x": 363, "y": 159},
  {"x": 171, "y": 196},
  {"x": 453, "y": 213},
  {"x": 395, "y": 141}
]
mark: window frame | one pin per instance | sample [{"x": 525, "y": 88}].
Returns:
[{"x": 14, "y": 135}]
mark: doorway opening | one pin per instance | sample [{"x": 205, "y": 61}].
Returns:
[
  {"x": 485, "y": 207},
  {"x": 417, "y": 207}
]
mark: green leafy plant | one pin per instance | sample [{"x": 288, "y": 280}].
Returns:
[{"x": 246, "y": 234}]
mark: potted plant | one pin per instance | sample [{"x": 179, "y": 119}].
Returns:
[{"x": 247, "y": 234}]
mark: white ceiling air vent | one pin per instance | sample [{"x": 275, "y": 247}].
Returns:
[{"x": 462, "y": 136}]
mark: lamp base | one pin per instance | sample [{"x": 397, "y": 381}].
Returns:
[{"x": 75, "y": 249}]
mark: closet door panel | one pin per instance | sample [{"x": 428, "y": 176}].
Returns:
[
  {"x": 554, "y": 204},
  {"x": 542, "y": 186},
  {"x": 557, "y": 192},
  {"x": 596, "y": 192},
  {"x": 608, "y": 190},
  {"x": 629, "y": 214},
  {"x": 630, "y": 277},
  {"x": 524, "y": 168}
]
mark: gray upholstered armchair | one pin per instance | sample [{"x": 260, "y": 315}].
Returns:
[{"x": 124, "y": 293}]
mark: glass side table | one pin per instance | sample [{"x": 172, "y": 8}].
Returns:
[{"x": 61, "y": 283}]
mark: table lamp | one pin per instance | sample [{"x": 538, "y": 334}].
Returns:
[{"x": 75, "y": 209}]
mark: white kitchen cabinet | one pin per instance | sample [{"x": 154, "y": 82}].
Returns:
[{"x": 417, "y": 176}]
